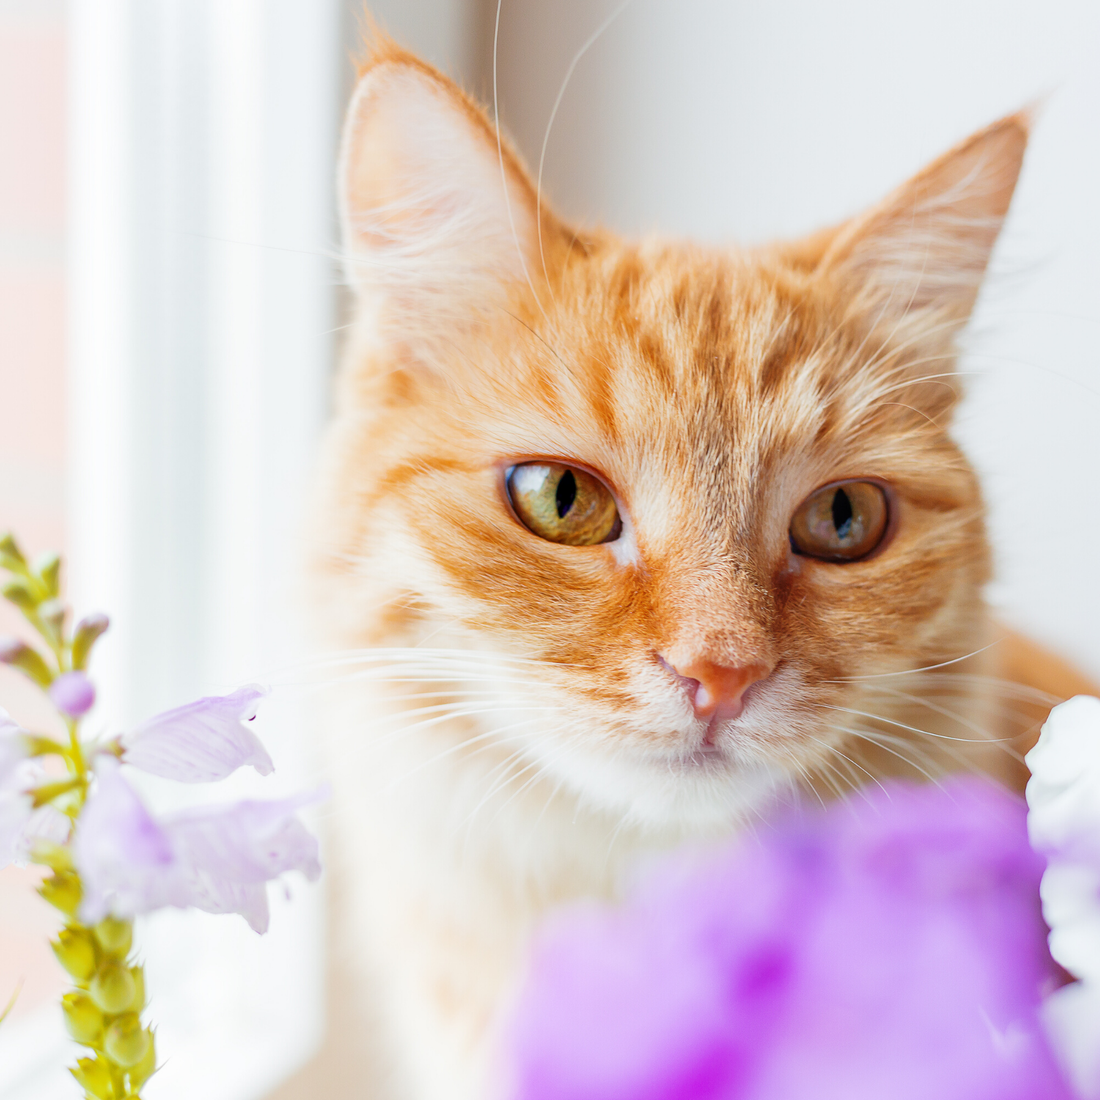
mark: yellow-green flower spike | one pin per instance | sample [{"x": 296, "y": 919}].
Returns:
[
  {"x": 83, "y": 1019},
  {"x": 93, "y": 1075},
  {"x": 114, "y": 936},
  {"x": 113, "y": 988},
  {"x": 62, "y": 891},
  {"x": 47, "y": 566},
  {"x": 141, "y": 1073},
  {"x": 76, "y": 952},
  {"x": 139, "y": 988},
  {"x": 126, "y": 1041}
]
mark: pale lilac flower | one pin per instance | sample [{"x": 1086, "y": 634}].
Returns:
[
  {"x": 202, "y": 741},
  {"x": 72, "y": 693},
  {"x": 15, "y": 778},
  {"x": 215, "y": 858},
  {"x": 20, "y": 822},
  {"x": 891, "y": 948},
  {"x": 1064, "y": 823}
]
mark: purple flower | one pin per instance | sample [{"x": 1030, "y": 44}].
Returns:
[
  {"x": 886, "y": 949},
  {"x": 202, "y": 741},
  {"x": 215, "y": 858}
]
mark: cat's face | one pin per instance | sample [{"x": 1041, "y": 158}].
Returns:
[{"x": 693, "y": 496}]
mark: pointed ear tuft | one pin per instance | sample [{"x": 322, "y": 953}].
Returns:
[
  {"x": 433, "y": 240},
  {"x": 927, "y": 245}
]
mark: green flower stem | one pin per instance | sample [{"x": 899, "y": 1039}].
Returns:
[{"x": 103, "y": 1009}]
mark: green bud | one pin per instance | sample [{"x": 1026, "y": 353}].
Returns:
[
  {"x": 141, "y": 1073},
  {"x": 49, "y": 791},
  {"x": 51, "y": 614},
  {"x": 126, "y": 1041},
  {"x": 76, "y": 952},
  {"x": 114, "y": 935},
  {"x": 62, "y": 890},
  {"x": 93, "y": 1075},
  {"x": 113, "y": 988},
  {"x": 138, "y": 975},
  {"x": 84, "y": 1021},
  {"x": 55, "y": 856},
  {"x": 47, "y": 566},
  {"x": 19, "y": 592},
  {"x": 29, "y": 661},
  {"x": 11, "y": 557},
  {"x": 84, "y": 637}
]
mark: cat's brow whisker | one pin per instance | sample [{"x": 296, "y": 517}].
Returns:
[{"x": 589, "y": 43}]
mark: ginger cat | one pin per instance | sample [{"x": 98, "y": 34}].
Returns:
[{"x": 623, "y": 537}]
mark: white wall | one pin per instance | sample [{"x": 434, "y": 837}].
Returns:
[{"x": 746, "y": 120}]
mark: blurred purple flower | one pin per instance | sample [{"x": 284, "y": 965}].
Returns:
[
  {"x": 72, "y": 693},
  {"x": 215, "y": 858},
  {"x": 887, "y": 949},
  {"x": 202, "y": 741}
]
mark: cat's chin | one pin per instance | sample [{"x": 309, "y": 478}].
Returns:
[{"x": 700, "y": 793}]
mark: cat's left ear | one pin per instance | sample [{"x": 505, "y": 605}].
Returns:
[{"x": 926, "y": 246}]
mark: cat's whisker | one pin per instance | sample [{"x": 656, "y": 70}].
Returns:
[
  {"x": 912, "y": 671},
  {"x": 911, "y": 729},
  {"x": 870, "y": 775},
  {"x": 885, "y": 743}
]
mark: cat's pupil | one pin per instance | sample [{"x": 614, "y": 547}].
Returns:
[
  {"x": 842, "y": 514},
  {"x": 566, "y": 493}
]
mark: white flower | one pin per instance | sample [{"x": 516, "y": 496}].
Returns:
[{"x": 1063, "y": 797}]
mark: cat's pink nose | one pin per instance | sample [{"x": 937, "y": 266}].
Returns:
[{"x": 717, "y": 689}]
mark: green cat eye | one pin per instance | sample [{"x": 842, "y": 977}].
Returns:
[
  {"x": 563, "y": 503},
  {"x": 844, "y": 521}
]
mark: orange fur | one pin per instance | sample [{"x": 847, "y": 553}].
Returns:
[{"x": 713, "y": 390}]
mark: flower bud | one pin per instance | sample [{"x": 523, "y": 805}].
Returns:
[
  {"x": 47, "y": 566},
  {"x": 126, "y": 1041},
  {"x": 93, "y": 1075},
  {"x": 84, "y": 1021},
  {"x": 113, "y": 988},
  {"x": 51, "y": 615},
  {"x": 18, "y": 591},
  {"x": 62, "y": 890},
  {"x": 84, "y": 636},
  {"x": 141, "y": 1073},
  {"x": 11, "y": 557},
  {"x": 21, "y": 656},
  {"x": 114, "y": 935},
  {"x": 76, "y": 952},
  {"x": 72, "y": 693}
]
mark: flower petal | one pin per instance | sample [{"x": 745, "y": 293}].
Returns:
[
  {"x": 215, "y": 858},
  {"x": 126, "y": 860},
  {"x": 202, "y": 741},
  {"x": 13, "y": 749},
  {"x": 231, "y": 851}
]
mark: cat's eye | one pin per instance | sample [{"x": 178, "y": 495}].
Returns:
[
  {"x": 563, "y": 503},
  {"x": 844, "y": 521}
]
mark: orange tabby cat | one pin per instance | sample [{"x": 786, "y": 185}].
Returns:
[{"x": 626, "y": 536}]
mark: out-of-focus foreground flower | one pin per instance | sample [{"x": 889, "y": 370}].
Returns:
[
  {"x": 1064, "y": 822},
  {"x": 890, "y": 948}
]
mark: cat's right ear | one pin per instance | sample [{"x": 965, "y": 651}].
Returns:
[{"x": 439, "y": 218}]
